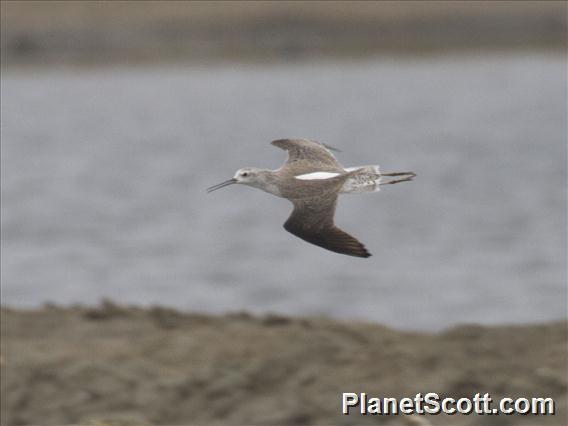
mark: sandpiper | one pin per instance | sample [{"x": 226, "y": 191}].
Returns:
[{"x": 312, "y": 178}]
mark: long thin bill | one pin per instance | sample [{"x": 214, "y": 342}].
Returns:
[{"x": 221, "y": 185}]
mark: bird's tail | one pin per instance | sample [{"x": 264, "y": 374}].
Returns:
[
  {"x": 362, "y": 179},
  {"x": 370, "y": 179}
]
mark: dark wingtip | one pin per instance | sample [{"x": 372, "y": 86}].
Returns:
[
  {"x": 331, "y": 148},
  {"x": 361, "y": 251}
]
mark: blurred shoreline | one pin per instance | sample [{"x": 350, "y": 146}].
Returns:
[
  {"x": 40, "y": 33},
  {"x": 114, "y": 364}
]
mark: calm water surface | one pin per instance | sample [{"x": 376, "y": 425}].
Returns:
[{"x": 103, "y": 177}]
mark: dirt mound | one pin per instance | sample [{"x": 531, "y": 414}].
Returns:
[{"x": 124, "y": 366}]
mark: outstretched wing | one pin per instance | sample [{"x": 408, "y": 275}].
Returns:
[
  {"x": 308, "y": 156},
  {"x": 312, "y": 221}
]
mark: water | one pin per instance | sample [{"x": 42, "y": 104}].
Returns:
[{"x": 104, "y": 171}]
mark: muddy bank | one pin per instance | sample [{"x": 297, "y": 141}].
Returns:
[
  {"x": 118, "y": 365},
  {"x": 103, "y": 32}
]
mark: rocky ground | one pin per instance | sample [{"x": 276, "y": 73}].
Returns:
[{"x": 126, "y": 365}]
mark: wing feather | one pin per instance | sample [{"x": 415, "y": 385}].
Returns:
[
  {"x": 313, "y": 222},
  {"x": 307, "y": 155}
]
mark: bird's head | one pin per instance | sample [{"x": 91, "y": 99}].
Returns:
[{"x": 246, "y": 176}]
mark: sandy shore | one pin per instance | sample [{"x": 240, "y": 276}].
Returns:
[{"x": 119, "y": 365}]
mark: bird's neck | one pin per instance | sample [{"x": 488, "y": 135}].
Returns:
[{"x": 268, "y": 182}]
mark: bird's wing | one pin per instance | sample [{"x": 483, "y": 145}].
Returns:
[
  {"x": 312, "y": 221},
  {"x": 307, "y": 156}
]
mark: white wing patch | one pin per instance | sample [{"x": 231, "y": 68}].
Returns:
[{"x": 317, "y": 175}]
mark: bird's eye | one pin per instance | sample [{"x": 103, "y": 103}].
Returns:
[{"x": 245, "y": 174}]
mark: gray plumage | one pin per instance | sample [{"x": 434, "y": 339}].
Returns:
[{"x": 312, "y": 178}]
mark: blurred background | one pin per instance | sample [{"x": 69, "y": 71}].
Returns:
[{"x": 117, "y": 115}]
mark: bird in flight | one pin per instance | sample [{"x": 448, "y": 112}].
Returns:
[{"x": 312, "y": 179}]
